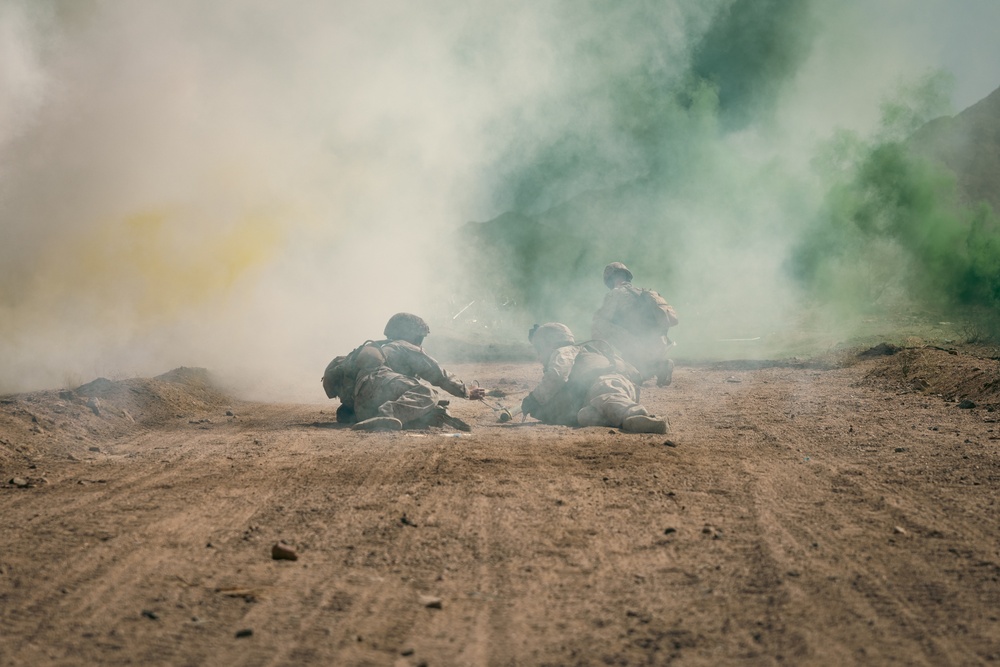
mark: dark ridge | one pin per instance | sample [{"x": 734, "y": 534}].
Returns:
[{"x": 762, "y": 364}]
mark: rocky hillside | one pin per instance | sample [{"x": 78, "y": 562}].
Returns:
[{"x": 969, "y": 144}]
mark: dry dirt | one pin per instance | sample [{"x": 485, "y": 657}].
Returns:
[{"x": 839, "y": 511}]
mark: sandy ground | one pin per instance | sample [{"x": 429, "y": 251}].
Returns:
[{"x": 836, "y": 512}]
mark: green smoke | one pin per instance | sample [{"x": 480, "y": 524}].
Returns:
[
  {"x": 751, "y": 50},
  {"x": 633, "y": 156},
  {"x": 647, "y": 83},
  {"x": 893, "y": 229},
  {"x": 672, "y": 157}
]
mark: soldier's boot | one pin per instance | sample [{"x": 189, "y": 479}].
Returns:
[
  {"x": 379, "y": 424},
  {"x": 345, "y": 414},
  {"x": 589, "y": 416},
  {"x": 439, "y": 417},
  {"x": 665, "y": 373},
  {"x": 454, "y": 422},
  {"x": 644, "y": 424}
]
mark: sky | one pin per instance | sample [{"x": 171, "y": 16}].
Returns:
[{"x": 255, "y": 189}]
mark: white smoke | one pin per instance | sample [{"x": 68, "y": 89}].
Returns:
[{"x": 255, "y": 188}]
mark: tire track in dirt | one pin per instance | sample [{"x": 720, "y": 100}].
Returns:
[
  {"x": 104, "y": 578},
  {"x": 762, "y": 533},
  {"x": 873, "y": 586}
]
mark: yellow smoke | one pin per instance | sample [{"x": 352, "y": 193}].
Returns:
[{"x": 151, "y": 266}]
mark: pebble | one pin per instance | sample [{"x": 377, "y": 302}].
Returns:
[
  {"x": 967, "y": 404},
  {"x": 281, "y": 551},
  {"x": 431, "y": 602},
  {"x": 245, "y": 632}
]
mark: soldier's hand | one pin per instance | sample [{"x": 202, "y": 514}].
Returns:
[
  {"x": 477, "y": 393},
  {"x": 530, "y": 404}
]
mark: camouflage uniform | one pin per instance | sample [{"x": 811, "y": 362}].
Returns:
[
  {"x": 386, "y": 385},
  {"x": 394, "y": 389},
  {"x": 585, "y": 385},
  {"x": 624, "y": 321}
]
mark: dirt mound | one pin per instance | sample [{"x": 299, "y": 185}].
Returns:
[
  {"x": 69, "y": 421},
  {"x": 969, "y": 377}
]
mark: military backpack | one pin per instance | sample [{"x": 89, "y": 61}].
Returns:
[{"x": 342, "y": 373}]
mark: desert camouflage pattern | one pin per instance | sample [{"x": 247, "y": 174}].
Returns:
[
  {"x": 341, "y": 375},
  {"x": 401, "y": 386},
  {"x": 615, "y": 322},
  {"x": 577, "y": 376},
  {"x": 614, "y": 397}
]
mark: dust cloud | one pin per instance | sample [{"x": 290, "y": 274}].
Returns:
[{"x": 255, "y": 190}]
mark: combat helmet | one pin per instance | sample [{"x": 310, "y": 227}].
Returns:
[
  {"x": 613, "y": 270},
  {"x": 549, "y": 337},
  {"x": 408, "y": 327}
]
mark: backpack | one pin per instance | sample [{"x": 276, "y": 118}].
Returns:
[
  {"x": 342, "y": 373},
  {"x": 653, "y": 313},
  {"x": 589, "y": 368},
  {"x": 597, "y": 358}
]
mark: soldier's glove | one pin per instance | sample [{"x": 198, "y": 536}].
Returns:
[{"x": 530, "y": 405}]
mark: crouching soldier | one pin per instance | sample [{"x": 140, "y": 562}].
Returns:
[
  {"x": 379, "y": 383},
  {"x": 585, "y": 385},
  {"x": 636, "y": 321}
]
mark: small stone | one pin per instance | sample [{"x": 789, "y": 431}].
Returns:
[
  {"x": 899, "y": 449},
  {"x": 281, "y": 551},
  {"x": 669, "y": 443},
  {"x": 151, "y": 615},
  {"x": 407, "y": 651},
  {"x": 229, "y": 413},
  {"x": 245, "y": 632},
  {"x": 967, "y": 404},
  {"x": 19, "y": 481},
  {"x": 95, "y": 405},
  {"x": 899, "y": 530},
  {"x": 669, "y": 531},
  {"x": 126, "y": 415},
  {"x": 431, "y": 602},
  {"x": 94, "y": 449}
]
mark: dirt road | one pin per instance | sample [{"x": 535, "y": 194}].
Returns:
[{"x": 827, "y": 513}]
